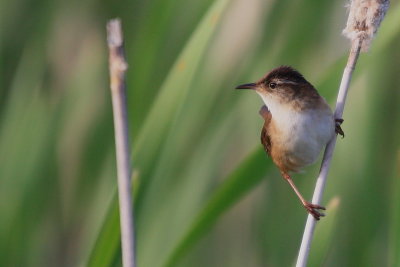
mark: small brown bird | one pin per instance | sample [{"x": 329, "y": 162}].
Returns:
[{"x": 298, "y": 123}]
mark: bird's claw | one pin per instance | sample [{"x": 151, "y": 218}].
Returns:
[
  {"x": 313, "y": 209},
  {"x": 338, "y": 129}
]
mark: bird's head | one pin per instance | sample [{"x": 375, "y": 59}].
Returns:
[{"x": 283, "y": 85}]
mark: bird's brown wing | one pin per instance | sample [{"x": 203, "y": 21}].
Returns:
[{"x": 265, "y": 138}]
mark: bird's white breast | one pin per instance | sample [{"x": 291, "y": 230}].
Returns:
[{"x": 301, "y": 134}]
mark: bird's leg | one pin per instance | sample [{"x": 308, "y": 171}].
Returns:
[
  {"x": 313, "y": 209},
  {"x": 338, "y": 129}
]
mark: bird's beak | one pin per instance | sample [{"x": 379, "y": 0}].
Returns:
[{"x": 247, "y": 86}]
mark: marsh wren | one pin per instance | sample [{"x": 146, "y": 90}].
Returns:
[{"x": 298, "y": 123}]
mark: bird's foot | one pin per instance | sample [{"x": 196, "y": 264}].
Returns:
[
  {"x": 313, "y": 209},
  {"x": 338, "y": 129}
]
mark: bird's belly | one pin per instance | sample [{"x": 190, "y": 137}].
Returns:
[
  {"x": 303, "y": 151},
  {"x": 301, "y": 139}
]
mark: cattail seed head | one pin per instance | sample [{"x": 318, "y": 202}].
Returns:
[{"x": 365, "y": 16}]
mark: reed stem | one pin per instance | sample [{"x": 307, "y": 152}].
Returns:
[
  {"x": 118, "y": 67},
  {"x": 326, "y": 161}
]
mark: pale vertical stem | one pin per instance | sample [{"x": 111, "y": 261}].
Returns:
[
  {"x": 326, "y": 161},
  {"x": 118, "y": 66}
]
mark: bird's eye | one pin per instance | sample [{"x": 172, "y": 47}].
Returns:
[{"x": 272, "y": 85}]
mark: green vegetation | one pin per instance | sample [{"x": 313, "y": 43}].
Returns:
[{"x": 206, "y": 194}]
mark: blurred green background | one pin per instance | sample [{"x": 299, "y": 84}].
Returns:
[{"x": 206, "y": 194}]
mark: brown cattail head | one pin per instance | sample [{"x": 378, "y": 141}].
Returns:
[{"x": 364, "y": 19}]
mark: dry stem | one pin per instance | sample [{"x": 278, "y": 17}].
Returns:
[
  {"x": 364, "y": 20},
  {"x": 118, "y": 66},
  {"x": 326, "y": 161}
]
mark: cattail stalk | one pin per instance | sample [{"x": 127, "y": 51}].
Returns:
[
  {"x": 118, "y": 67},
  {"x": 364, "y": 19}
]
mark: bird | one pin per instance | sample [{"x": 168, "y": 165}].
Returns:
[{"x": 298, "y": 124}]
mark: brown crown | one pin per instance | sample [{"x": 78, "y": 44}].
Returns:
[{"x": 284, "y": 72}]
